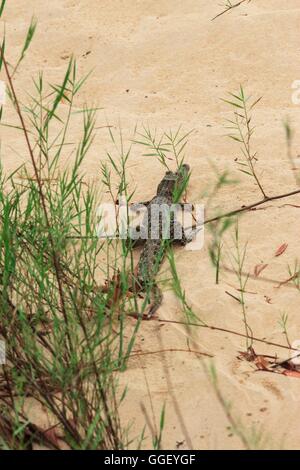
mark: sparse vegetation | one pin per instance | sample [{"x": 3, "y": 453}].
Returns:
[{"x": 67, "y": 295}]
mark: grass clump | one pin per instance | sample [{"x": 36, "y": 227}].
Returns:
[{"x": 63, "y": 343}]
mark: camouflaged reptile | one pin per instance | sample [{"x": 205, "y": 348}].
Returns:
[{"x": 159, "y": 227}]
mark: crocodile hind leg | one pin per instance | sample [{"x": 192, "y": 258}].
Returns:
[{"x": 155, "y": 302}]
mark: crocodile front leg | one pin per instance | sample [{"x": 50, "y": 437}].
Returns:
[{"x": 177, "y": 234}]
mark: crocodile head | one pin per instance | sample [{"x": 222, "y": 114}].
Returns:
[{"x": 173, "y": 180}]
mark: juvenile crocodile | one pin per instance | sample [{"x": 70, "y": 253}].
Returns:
[{"x": 159, "y": 228}]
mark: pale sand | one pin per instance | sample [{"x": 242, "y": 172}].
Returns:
[{"x": 176, "y": 64}]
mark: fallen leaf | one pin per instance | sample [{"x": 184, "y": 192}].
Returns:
[
  {"x": 259, "y": 268},
  {"x": 261, "y": 363},
  {"x": 281, "y": 249},
  {"x": 292, "y": 373},
  {"x": 250, "y": 355}
]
